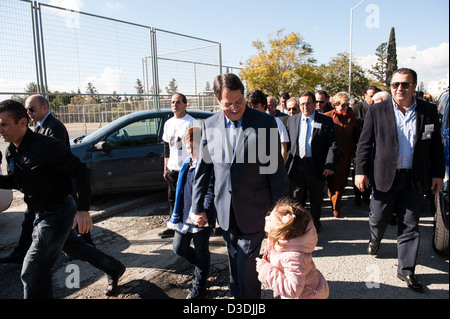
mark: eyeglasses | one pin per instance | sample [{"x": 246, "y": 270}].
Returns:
[
  {"x": 241, "y": 102},
  {"x": 405, "y": 85},
  {"x": 30, "y": 109}
]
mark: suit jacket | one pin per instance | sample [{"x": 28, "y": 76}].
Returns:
[
  {"x": 360, "y": 109},
  {"x": 54, "y": 128},
  {"x": 323, "y": 143},
  {"x": 377, "y": 151},
  {"x": 247, "y": 179}
]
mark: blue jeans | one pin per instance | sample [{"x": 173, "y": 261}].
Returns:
[
  {"x": 198, "y": 256},
  {"x": 51, "y": 229}
]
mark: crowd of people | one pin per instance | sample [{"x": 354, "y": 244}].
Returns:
[{"x": 218, "y": 179}]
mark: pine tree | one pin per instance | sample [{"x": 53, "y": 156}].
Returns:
[
  {"x": 172, "y": 88},
  {"x": 391, "y": 57},
  {"x": 379, "y": 69}
]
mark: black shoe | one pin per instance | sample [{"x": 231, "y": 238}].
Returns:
[
  {"x": 113, "y": 288},
  {"x": 373, "y": 247},
  {"x": 196, "y": 293},
  {"x": 412, "y": 282},
  {"x": 167, "y": 233},
  {"x": 12, "y": 259}
]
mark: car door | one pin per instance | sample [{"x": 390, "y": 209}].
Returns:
[{"x": 132, "y": 158}]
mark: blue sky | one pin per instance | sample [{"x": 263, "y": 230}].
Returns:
[{"x": 422, "y": 27}]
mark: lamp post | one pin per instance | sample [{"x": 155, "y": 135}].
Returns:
[{"x": 350, "y": 56}]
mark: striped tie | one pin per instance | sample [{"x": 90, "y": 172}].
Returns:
[{"x": 303, "y": 133}]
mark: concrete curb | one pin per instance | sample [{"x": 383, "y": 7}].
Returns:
[{"x": 120, "y": 208}]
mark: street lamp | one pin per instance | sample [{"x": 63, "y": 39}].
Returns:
[{"x": 350, "y": 56}]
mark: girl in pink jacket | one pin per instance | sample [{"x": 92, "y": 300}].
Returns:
[{"x": 287, "y": 266}]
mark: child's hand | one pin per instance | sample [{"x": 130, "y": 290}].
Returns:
[
  {"x": 259, "y": 263},
  {"x": 201, "y": 219}
]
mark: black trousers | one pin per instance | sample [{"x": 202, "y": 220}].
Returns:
[
  {"x": 408, "y": 205},
  {"x": 302, "y": 178},
  {"x": 172, "y": 177},
  {"x": 242, "y": 252}
]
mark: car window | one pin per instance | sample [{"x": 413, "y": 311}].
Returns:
[{"x": 139, "y": 133}]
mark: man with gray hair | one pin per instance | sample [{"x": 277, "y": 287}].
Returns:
[{"x": 381, "y": 96}]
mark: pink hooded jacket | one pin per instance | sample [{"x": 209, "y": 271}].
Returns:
[{"x": 290, "y": 270}]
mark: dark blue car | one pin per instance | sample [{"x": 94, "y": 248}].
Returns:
[
  {"x": 440, "y": 238},
  {"x": 127, "y": 154}
]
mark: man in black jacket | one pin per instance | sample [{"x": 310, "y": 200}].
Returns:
[
  {"x": 400, "y": 154},
  {"x": 41, "y": 168},
  {"x": 313, "y": 153}
]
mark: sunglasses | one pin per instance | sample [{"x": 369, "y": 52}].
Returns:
[
  {"x": 320, "y": 102},
  {"x": 405, "y": 85},
  {"x": 30, "y": 109}
]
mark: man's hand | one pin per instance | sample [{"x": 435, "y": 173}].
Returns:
[
  {"x": 436, "y": 184},
  {"x": 201, "y": 219},
  {"x": 362, "y": 182},
  {"x": 84, "y": 222},
  {"x": 328, "y": 172}
]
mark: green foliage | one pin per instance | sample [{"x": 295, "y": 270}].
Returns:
[
  {"x": 284, "y": 64},
  {"x": 335, "y": 76},
  {"x": 391, "y": 57}
]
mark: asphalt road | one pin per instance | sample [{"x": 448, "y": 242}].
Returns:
[{"x": 154, "y": 271}]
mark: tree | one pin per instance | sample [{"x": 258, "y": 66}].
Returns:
[
  {"x": 391, "y": 57},
  {"x": 93, "y": 98},
  {"x": 139, "y": 89},
  {"x": 335, "y": 76},
  {"x": 172, "y": 88},
  {"x": 379, "y": 69},
  {"x": 284, "y": 64}
]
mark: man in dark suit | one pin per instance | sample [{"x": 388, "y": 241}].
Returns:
[
  {"x": 79, "y": 243},
  {"x": 361, "y": 108},
  {"x": 39, "y": 111},
  {"x": 248, "y": 182},
  {"x": 400, "y": 154},
  {"x": 313, "y": 153}
]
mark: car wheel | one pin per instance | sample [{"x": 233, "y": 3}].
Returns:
[{"x": 440, "y": 237}]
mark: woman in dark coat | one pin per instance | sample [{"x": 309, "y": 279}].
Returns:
[{"x": 347, "y": 133}]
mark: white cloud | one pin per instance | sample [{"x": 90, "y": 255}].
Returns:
[
  {"x": 68, "y": 4},
  {"x": 430, "y": 64},
  {"x": 108, "y": 81},
  {"x": 114, "y": 5}
]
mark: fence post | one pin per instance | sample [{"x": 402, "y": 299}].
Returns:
[{"x": 154, "y": 56}]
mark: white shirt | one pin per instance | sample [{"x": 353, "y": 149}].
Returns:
[
  {"x": 303, "y": 126},
  {"x": 284, "y": 137},
  {"x": 174, "y": 131}
]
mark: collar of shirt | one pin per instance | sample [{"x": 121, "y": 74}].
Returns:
[
  {"x": 311, "y": 117},
  {"x": 24, "y": 143},
  {"x": 228, "y": 122},
  {"x": 43, "y": 120},
  {"x": 409, "y": 110}
]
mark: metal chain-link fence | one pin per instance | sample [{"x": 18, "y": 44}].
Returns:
[{"x": 94, "y": 69}]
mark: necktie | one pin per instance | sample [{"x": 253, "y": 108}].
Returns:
[
  {"x": 37, "y": 128},
  {"x": 234, "y": 133},
  {"x": 303, "y": 134}
]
